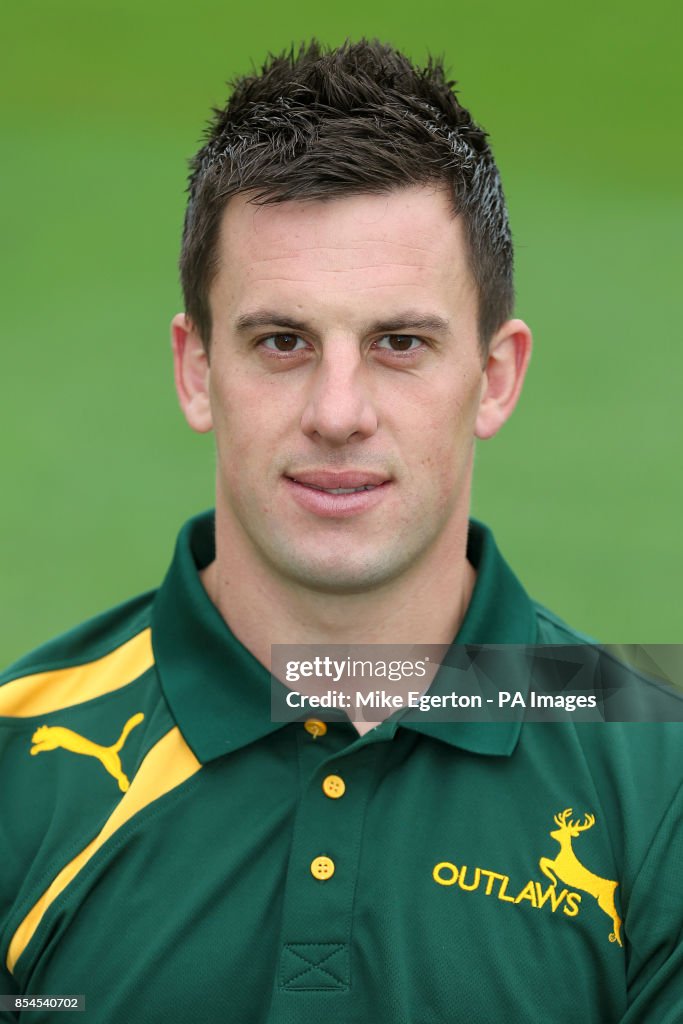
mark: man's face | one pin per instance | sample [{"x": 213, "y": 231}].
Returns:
[{"x": 344, "y": 357}]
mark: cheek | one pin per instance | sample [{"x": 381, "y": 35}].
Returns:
[
  {"x": 445, "y": 443},
  {"x": 248, "y": 432},
  {"x": 235, "y": 431},
  {"x": 446, "y": 428},
  {"x": 239, "y": 412}
]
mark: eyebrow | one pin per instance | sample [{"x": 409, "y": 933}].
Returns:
[{"x": 406, "y": 320}]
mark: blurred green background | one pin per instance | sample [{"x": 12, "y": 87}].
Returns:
[{"x": 103, "y": 104}]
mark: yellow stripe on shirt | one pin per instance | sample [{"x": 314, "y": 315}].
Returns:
[
  {"x": 60, "y": 688},
  {"x": 168, "y": 764}
]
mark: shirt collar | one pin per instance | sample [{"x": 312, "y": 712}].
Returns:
[
  {"x": 220, "y": 695},
  {"x": 500, "y": 612}
]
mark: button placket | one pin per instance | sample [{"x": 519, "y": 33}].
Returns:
[{"x": 323, "y": 865}]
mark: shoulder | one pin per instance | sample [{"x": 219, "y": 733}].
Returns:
[
  {"x": 552, "y": 629},
  {"x": 77, "y": 717},
  {"x": 631, "y": 756},
  {"x": 85, "y": 644},
  {"x": 627, "y": 693}
]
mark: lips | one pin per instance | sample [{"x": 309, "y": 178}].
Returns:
[
  {"x": 340, "y": 494},
  {"x": 347, "y": 481},
  {"x": 340, "y": 490}
]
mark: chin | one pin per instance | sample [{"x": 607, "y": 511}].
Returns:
[{"x": 342, "y": 574}]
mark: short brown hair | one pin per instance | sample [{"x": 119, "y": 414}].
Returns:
[{"x": 320, "y": 124}]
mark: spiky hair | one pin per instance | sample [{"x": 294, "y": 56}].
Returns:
[{"x": 320, "y": 124}]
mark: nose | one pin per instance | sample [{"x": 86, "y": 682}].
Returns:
[{"x": 340, "y": 407}]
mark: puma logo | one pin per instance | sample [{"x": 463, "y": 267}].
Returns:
[
  {"x": 571, "y": 871},
  {"x": 49, "y": 737}
]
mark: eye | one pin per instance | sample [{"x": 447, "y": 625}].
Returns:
[
  {"x": 399, "y": 343},
  {"x": 283, "y": 343}
]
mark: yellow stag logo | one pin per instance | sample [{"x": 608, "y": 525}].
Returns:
[
  {"x": 571, "y": 871},
  {"x": 49, "y": 737}
]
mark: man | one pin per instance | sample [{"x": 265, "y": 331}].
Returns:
[{"x": 170, "y": 850}]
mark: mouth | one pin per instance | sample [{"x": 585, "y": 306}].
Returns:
[
  {"x": 339, "y": 480},
  {"x": 337, "y": 490},
  {"x": 337, "y": 494}
]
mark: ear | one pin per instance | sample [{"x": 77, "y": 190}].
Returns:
[
  {"x": 191, "y": 369},
  {"x": 506, "y": 363}
]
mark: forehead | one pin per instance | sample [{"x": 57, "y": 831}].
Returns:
[{"x": 406, "y": 244}]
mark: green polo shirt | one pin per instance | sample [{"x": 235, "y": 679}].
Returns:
[{"x": 174, "y": 855}]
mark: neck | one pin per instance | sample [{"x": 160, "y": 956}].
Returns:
[{"x": 426, "y": 605}]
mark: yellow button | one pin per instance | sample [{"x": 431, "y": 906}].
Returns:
[
  {"x": 334, "y": 786},
  {"x": 315, "y": 727},
  {"x": 322, "y": 868}
]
